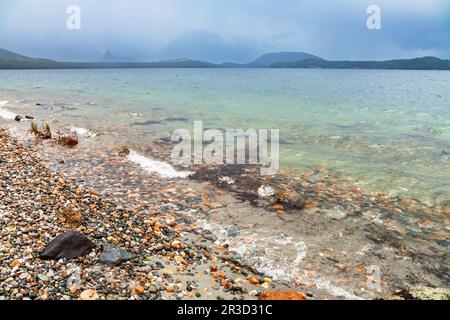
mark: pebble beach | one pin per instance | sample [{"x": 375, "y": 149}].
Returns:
[{"x": 167, "y": 264}]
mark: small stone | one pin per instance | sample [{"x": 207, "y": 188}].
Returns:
[
  {"x": 266, "y": 192},
  {"x": 15, "y": 263},
  {"x": 43, "y": 277},
  {"x": 89, "y": 295},
  {"x": 253, "y": 280},
  {"x": 170, "y": 289},
  {"x": 139, "y": 290},
  {"x": 218, "y": 275},
  {"x": 278, "y": 206},
  {"x": 112, "y": 256},
  {"x": 176, "y": 245},
  {"x": 341, "y": 266}
]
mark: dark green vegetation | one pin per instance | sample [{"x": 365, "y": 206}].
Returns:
[
  {"x": 426, "y": 63},
  {"x": 11, "y": 60}
]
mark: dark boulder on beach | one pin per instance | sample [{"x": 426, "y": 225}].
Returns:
[
  {"x": 68, "y": 245},
  {"x": 18, "y": 118}
]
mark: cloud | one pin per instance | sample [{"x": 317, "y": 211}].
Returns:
[{"x": 241, "y": 29}]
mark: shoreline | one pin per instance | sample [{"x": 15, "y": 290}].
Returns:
[
  {"x": 169, "y": 264},
  {"x": 330, "y": 257}
]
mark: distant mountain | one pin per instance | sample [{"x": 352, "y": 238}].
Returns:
[
  {"x": 11, "y": 60},
  {"x": 12, "y": 56},
  {"x": 174, "y": 60},
  {"x": 269, "y": 59},
  {"x": 110, "y": 57},
  {"x": 203, "y": 45},
  {"x": 425, "y": 63}
]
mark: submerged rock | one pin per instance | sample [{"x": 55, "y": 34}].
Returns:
[
  {"x": 336, "y": 213},
  {"x": 146, "y": 123},
  {"x": 112, "y": 256},
  {"x": 68, "y": 245}
]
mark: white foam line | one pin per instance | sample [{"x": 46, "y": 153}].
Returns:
[
  {"x": 163, "y": 169},
  {"x": 336, "y": 291},
  {"x": 83, "y": 132},
  {"x": 6, "y": 114}
]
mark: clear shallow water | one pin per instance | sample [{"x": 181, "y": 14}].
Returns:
[{"x": 388, "y": 130}]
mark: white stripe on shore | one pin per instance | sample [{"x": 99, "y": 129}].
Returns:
[
  {"x": 6, "y": 114},
  {"x": 163, "y": 169},
  {"x": 83, "y": 132}
]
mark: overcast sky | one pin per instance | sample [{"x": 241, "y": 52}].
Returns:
[{"x": 225, "y": 30}]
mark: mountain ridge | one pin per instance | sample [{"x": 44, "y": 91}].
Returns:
[
  {"x": 421, "y": 63},
  {"x": 10, "y": 61},
  {"x": 268, "y": 59}
]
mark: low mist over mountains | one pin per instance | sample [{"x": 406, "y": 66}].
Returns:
[
  {"x": 203, "y": 45},
  {"x": 110, "y": 57},
  {"x": 11, "y": 60},
  {"x": 269, "y": 59}
]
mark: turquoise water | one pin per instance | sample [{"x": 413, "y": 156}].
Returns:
[{"x": 387, "y": 130}]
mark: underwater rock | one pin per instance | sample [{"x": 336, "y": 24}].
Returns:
[
  {"x": 149, "y": 122},
  {"x": 336, "y": 213}
]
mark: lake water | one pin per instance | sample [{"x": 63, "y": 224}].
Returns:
[{"x": 389, "y": 131}]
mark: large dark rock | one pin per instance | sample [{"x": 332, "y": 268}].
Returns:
[
  {"x": 112, "y": 256},
  {"x": 421, "y": 293},
  {"x": 68, "y": 245}
]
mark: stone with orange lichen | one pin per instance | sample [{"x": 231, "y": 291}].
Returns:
[
  {"x": 278, "y": 206},
  {"x": 139, "y": 290},
  {"x": 282, "y": 295},
  {"x": 253, "y": 280},
  {"x": 218, "y": 275}
]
